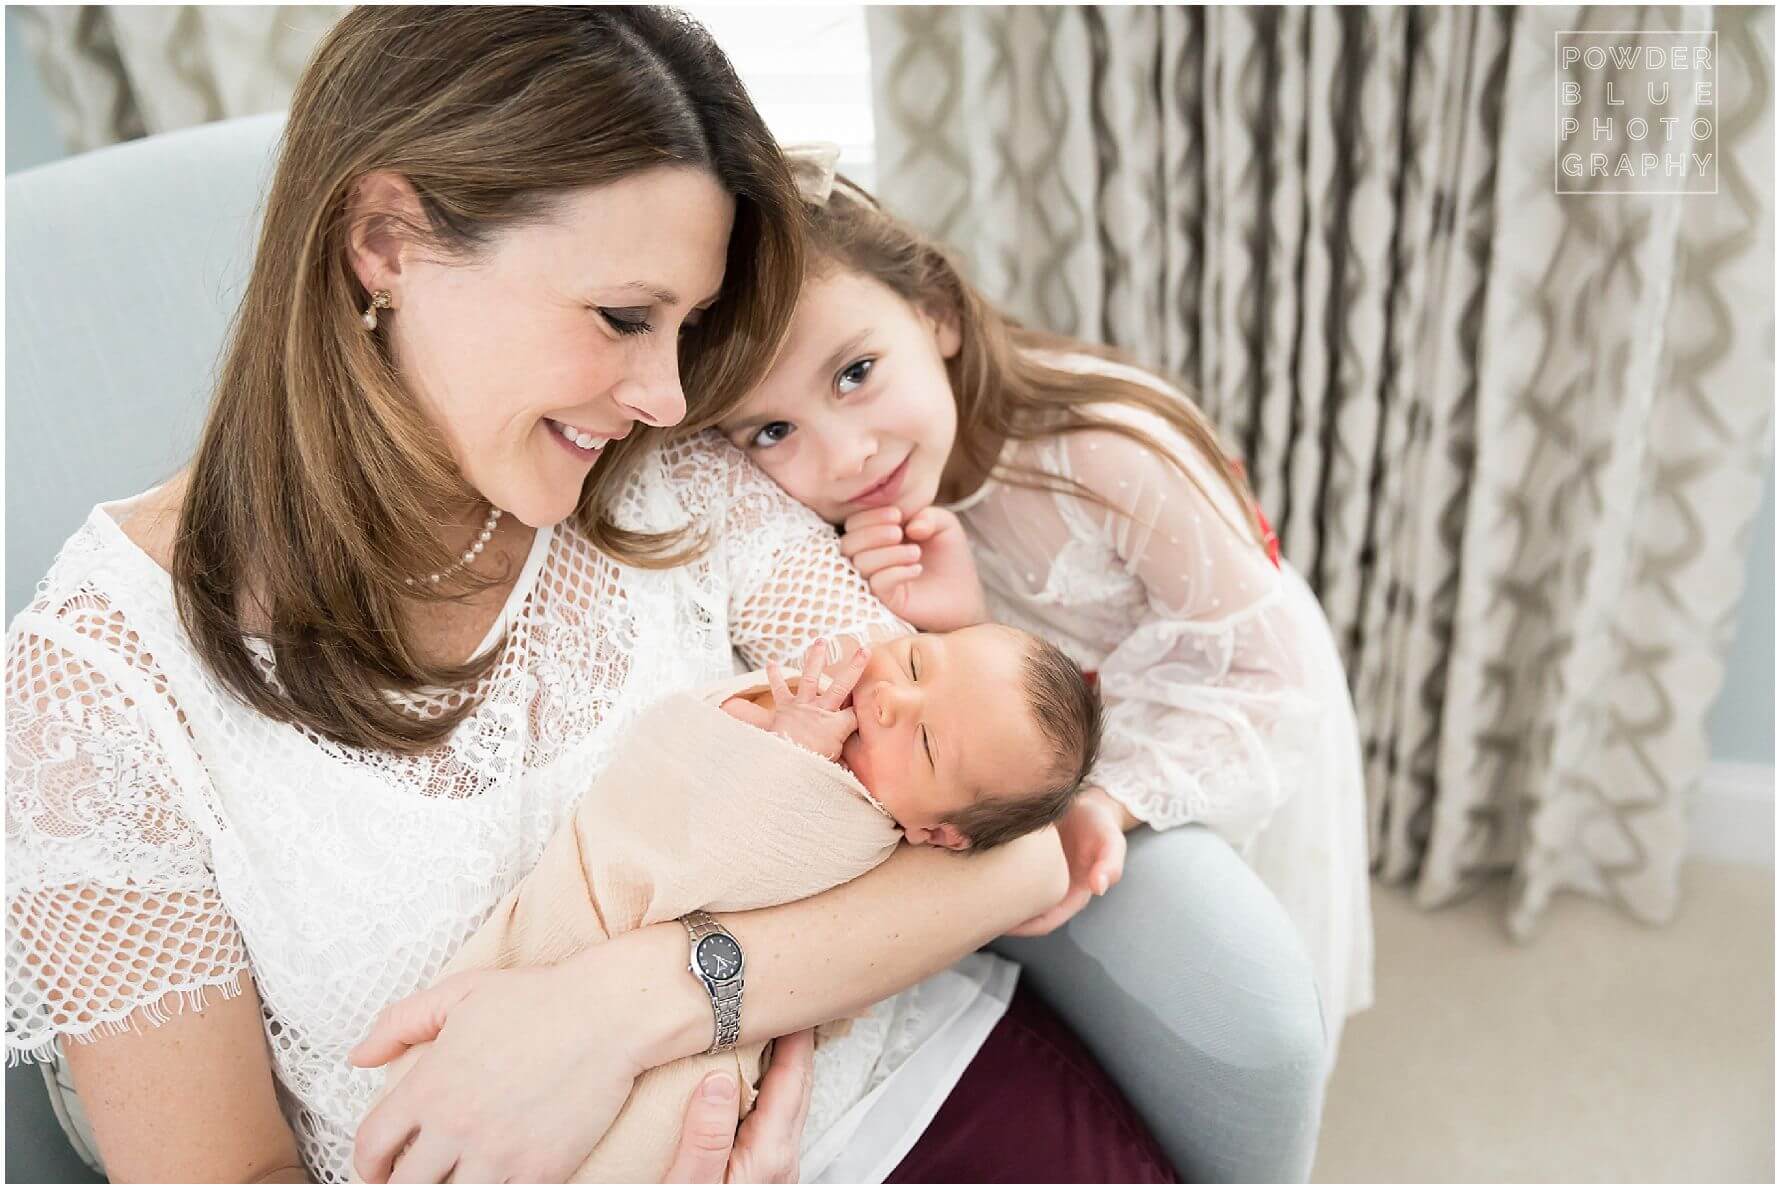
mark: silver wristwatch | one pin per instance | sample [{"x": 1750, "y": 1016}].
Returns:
[{"x": 717, "y": 963}]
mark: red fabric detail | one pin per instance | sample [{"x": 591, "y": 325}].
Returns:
[{"x": 1269, "y": 538}]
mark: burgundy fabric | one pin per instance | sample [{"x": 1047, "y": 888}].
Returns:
[{"x": 1034, "y": 1106}]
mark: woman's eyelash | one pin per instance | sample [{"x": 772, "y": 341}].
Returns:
[{"x": 627, "y": 325}]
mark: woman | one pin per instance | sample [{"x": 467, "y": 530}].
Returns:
[{"x": 310, "y": 708}]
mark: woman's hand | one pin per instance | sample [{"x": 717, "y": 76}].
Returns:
[
  {"x": 527, "y": 1070},
  {"x": 922, "y": 570},
  {"x": 1093, "y": 835},
  {"x": 764, "y": 1150}
]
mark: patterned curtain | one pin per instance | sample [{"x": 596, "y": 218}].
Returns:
[
  {"x": 1514, "y": 439},
  {"x": 116, "y": 72}
]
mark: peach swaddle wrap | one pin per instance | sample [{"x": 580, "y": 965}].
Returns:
[{"x": 696, "y": 809}]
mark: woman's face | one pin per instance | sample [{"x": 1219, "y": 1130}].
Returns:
[
  {"x": 857, "y": 412},
  {"x": 562, "y": 329}
]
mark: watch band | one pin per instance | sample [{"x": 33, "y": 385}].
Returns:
[{"x": 726, "y": 994}]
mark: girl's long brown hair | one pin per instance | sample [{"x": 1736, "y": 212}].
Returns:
[
  {"x": 1003, "y": 389},
  {"x": 315, "y": 489}
]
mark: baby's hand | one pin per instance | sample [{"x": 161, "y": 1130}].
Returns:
[
  {"x": 818, "y": 721},
  {"x": 922, "y": 570}
]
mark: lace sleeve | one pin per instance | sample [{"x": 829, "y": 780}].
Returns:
[
  {"x": 1207, "y": 718},
  {"x": 110, "y": 902},
  {"x": 788, "y": 583}
]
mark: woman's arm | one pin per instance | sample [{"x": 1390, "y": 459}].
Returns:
[
  {"x": 120, "y": 947},
  {"x": 190, "y": 1099},
  {"x": 529, "y": 1067},
  {"x": 837, "y": 953}
]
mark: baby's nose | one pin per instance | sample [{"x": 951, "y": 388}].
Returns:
[{"x": 894, "y": 702}]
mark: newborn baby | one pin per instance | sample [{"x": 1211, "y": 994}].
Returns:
[
  {"x": 967, "y": 739},
  {"x": 747, "y": 794}
]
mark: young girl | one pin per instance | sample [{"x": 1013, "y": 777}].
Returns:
[{"x": 1102, "y": 514}]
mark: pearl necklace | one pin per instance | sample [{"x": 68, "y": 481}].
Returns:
[{"x": 469, "y": 555}]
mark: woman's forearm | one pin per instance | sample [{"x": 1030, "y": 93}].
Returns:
[{"x": 834, "y": 954}]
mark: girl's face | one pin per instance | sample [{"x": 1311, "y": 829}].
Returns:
[
  {"x": 565, "y": 328},
  {"x": 857, "y": 412}
]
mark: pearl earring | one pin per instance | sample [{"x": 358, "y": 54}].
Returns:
[{"x": 379, "y": 301}]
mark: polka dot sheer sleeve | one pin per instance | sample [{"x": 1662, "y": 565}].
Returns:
[{"x": 1207, "y": 719}]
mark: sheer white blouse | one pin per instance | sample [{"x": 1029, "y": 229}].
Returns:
[{"x": 163, "y": 838}]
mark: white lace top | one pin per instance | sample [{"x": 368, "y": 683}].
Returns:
[
  {"x": 163, "y": 838},
  {"x": 1226, "y": 704}
]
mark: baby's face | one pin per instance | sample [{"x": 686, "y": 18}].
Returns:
[{"x": 944, "y": 722}]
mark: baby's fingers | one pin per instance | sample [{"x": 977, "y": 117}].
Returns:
[
  {"x": 815, "y": 659},
  {"x": 845, "y": 678},
  {"x": 775, "y": 680}
]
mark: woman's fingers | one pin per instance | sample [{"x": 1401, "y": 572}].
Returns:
[
  {"x": 770, "y": 1138},
  {"x": 427, "y": 1161},
  {"x": 874, "y": 560},
  {"x": 707, "y": 1135},
  {"x": 875, "y": 537},
  {"x": 381, "y": 1138},
  {"x": 408, "y": 1022}
]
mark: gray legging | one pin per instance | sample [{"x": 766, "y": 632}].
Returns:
[{"x": 1190, "y": 985}]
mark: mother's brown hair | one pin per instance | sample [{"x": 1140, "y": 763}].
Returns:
[{"x": 317, "y": 484}]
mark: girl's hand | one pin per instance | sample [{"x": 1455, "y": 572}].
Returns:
[
  {"x": 819, "y": 722},
  {"x": 1093, "y": 834},
  {"x": 765, "y": 1149},
  {"x": 922, "y": 570},
  {"x": 527, "y": 1070}
]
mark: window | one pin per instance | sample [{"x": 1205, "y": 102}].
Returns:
[{"x": 808, "y": 69}]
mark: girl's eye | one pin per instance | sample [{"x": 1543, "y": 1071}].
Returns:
[
  {"x": 770, "y": 434},
  {"x": 853, "y": 375},
  {"x": 914, "y": 664},
  {"x": 628, "y": 321}
]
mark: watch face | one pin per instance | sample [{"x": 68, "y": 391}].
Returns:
[{"x": 719, "y": 958}]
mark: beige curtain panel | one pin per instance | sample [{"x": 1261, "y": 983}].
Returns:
[
  {"x": 116, "y": 72},
  {"x": 1514, "y": 439}
]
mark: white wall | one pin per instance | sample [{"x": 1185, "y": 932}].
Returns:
[{"x": 1742, "y": 723}]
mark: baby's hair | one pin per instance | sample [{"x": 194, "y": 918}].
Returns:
[
  {"x": 1066, "y": 707},
  {"x": 1003, "y": 390}
]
